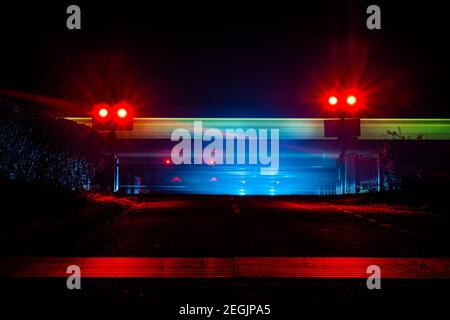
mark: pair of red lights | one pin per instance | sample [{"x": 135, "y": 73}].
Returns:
[
  {"x": 121, "y": 112},
  {"x": 113, "y": 117},
  {"x": 104, "y": 111},
  {"x": 351, "y": 100}
]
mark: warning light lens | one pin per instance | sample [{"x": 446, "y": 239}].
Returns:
[
  {"x": 332, "y": 100},
  {"x": 103, "y": 112},
  {"x": 122, "y": 113},
  {"x": 167, "y": 161},
  {"x": 351, "y": 100}
]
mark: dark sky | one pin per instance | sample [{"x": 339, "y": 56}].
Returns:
[{"x": 226, "y": 59}]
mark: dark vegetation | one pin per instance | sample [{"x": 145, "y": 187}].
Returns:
[
  {"x": 415, "y": 166},
  {"x": 47, "y": 149}
]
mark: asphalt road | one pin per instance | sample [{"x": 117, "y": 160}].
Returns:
[
  {"x": 227, "y": 227},
  {"x": 319, "y": 245}
]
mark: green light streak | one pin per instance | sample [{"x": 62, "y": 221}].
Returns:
[{"x": 290, "y": 128}]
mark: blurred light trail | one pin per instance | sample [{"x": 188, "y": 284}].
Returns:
[
  {"x": 237, "y": 267},
  {"x": 136, "y": 204},
  {"x": 57, "y": 103},
  {"x": 375, "y": 209},
  {"x": 295, "y": 128},
  {"x": 307, "y": 160}
]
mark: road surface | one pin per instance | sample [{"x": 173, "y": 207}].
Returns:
[
  {"x": 217, "y": 248},
  {"x": 220, "y": 226}
]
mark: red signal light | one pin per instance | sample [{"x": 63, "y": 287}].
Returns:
[
  {"x": 332, "y": 100},
  {"x": 122, "y": 113},
  {"x": 351, "y": 100},
  {"x": 167, "y": 161},
  {"x": 103, "y": 112}
]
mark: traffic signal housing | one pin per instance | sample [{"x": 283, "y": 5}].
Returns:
[
  {"x": 347, "y": 103},
  {"x": 112, "y": 118}
]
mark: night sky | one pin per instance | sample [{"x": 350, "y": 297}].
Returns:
[{"x": 226, "y": 59}]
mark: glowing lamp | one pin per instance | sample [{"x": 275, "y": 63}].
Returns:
[
  {"x": 351, "y": 100},
  {"x": 332, "y": 100},
  {"x": 122, "y": 113},
  {"x": 103, "y": 112}
]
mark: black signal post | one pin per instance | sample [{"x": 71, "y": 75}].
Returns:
[
  {"x": 343, "y": 129},
  {"x": 111, "y": 119}
]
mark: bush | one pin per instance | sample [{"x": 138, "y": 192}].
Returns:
[
  {"x": 415, "y": 165},
  {"x": 48, "y": 149}
]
